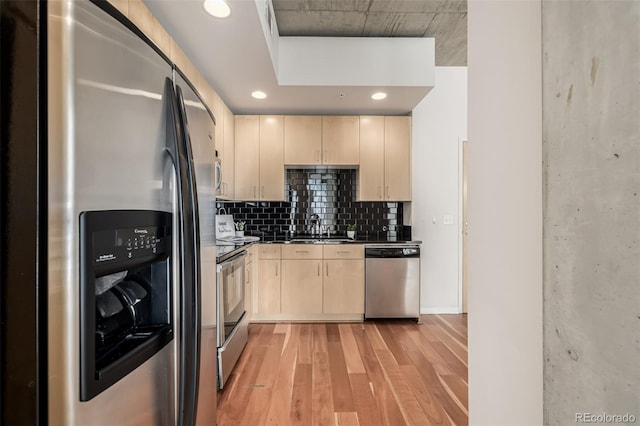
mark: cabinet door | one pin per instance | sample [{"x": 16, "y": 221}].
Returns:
[
  {"x": 397, "y": 158},
  {"x": 228, "y": 164},
  {"x": 343, "y": 288},
  {"x": 302, "y": 139},
  {"x": 371, "y": 172},
  {"x": 271, "y": 158},
  {"x": 268, "y": 287},
  {"x": 302, "y": 286},
  {"x": 247, "y": 157},
  {"x": 248, "y": 283},
  {"x": 341, "y": 140},
  {"x": 218, "y": 114}
]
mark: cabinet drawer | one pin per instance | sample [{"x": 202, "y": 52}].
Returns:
[
  {"x": 302, "y": 251},
  {"x": 344, "y": 251},
  {"x": 269, "y": 251}
]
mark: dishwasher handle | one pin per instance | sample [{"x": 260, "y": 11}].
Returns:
[{"x": 391, "y": 252}]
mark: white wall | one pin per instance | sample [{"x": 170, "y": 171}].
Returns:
[
  {"x": 505, "y": 213},
  {"x": 439, "y": 127}
]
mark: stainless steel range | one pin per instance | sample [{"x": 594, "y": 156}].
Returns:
[{"x": 233, "y": 324}]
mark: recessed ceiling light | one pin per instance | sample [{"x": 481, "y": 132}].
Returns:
[
  {"x": 258, "y": 94},
  {"x": 217, "y": 8},
  {"x": 378, "y": 96}
]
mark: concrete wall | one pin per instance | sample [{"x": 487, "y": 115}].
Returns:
[
  {"x": 591, "y": 101},
  {"x": 439, "y": 127},
  {"x": 505, "y": 213}
]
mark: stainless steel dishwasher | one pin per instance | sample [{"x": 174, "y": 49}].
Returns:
[{"x": 392, "y": 281}]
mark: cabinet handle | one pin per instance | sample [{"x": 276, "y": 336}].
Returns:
[
  {"x": 318, "y": 268},
  {"x": 388, "y": 196},
  {"x": 302, "y": 251},
  {"x": 276, "y": 269},
  {"x": 317, "y": 155},
  {"x": 326, "y": 268},
  {"x": 326, "y": 155},
  {"x": 343, "y": 252},
  {"x": 380, "y": 192}
]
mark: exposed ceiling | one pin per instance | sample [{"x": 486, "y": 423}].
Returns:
[
  {"x": 444, "y": 20},
  {"x": 232, "y": 53}
]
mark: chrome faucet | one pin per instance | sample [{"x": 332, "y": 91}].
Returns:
[{"x": 315, "y": 224}]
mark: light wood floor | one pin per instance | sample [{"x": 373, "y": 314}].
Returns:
[{"x": 368, "y": 374}]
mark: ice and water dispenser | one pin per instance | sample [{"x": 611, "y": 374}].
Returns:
[{"x": 125, "y": 293}]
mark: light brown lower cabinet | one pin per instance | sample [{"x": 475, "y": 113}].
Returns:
[
  {"x": 301, "y": 286},
  {"x": 314, "y": 282},
  {"x": 343, "y": 286},
  {"x": 268, "y": 286}
]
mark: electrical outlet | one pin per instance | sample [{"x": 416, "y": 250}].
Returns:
[{"x": 448, "y": 219}]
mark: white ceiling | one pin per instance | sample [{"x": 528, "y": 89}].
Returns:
[{"x": 232, "y": 54}]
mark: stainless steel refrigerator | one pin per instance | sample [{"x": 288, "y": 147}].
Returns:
[{"x": 107, "y": 251}]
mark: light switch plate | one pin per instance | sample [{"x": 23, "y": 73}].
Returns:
[{"x": 448, "y": 219}]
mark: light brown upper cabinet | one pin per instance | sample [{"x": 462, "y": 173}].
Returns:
[
  {"x": 259, "y": 157},
  {"x": 371, "y": 172},
  {"x": 385, "y": 159},
  {"x": 247, "y": 157},
  {"x": 302, "y": 139},
  {"x": 327, "y": 140},
  {"x": 228, "y": 165},
  {"x": 340, "y": 140},
  {"x": 271, "y": 158},
  {"x": 225, "y": 145}
]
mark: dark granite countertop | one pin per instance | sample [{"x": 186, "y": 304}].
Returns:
[{"x": 226, "y": 251}]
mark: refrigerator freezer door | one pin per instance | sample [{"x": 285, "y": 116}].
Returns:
[
  {"x": 200, "y": 132},
  {"x": 106, "y": 151}
]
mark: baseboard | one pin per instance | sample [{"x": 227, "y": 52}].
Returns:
[{"x": 427, "y": 311}]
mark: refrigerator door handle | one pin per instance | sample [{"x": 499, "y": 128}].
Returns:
[{"x": 189, "y": 255}]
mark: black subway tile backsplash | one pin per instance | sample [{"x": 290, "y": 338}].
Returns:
[{"x": 328, "y": 193}]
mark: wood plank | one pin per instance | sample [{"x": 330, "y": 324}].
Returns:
[
  {"x": 306, "y": 344},
  {"x": 282, "y": 327},
  {"x": 457, "y": 389},
  {"x": 319, "y": 338},
  {"x": 387, "y": 406},
  {"x": 388, "y": 334},
  {"x": 347, "y": 419},
  {"x": 374, "y": 337},
  {"x": 350, "y": 348},
  {"x": 453, "y": 362},
  {"x": 342, "y": 398},
  {"x": 428, "y": 402},
  {"x": 457, "y": 331},
  {"x": 409, "y": 406},
  {"x": 280, "y": 405},
  {"x": 333, "y": 333},
  {"x": 432, "y": 356},
  {"x": 364, "y": 400},
  {"x": 321, "y": 390},
  {"x": 431, "y": 378},
  {"x": 300, "y": 413},
  {"x": 255, "y": 409}
]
